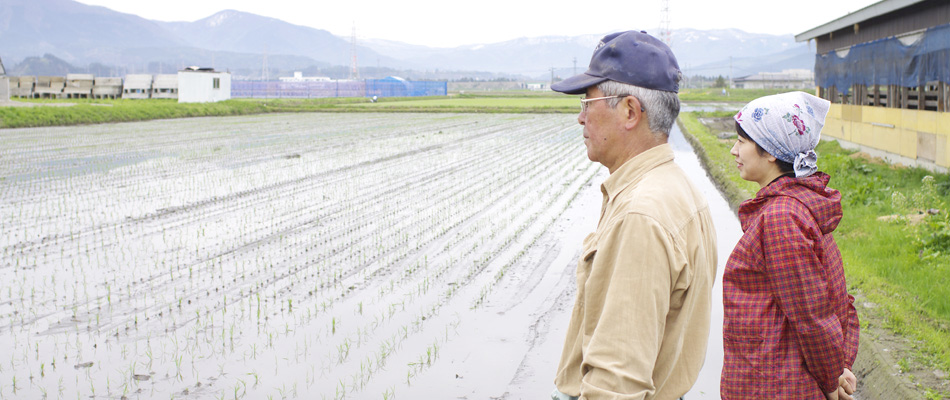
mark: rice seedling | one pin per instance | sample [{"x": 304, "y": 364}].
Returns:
[{"x": 159, "y": 246}]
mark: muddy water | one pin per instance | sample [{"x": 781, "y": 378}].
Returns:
[{"x": 513, "y": 343}]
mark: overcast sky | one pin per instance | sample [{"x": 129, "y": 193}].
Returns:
[{"x": 440, "y": 23}]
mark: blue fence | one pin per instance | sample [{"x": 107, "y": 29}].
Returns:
[{"x": 389, "y": 87}]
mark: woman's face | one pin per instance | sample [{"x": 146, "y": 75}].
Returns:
[{"x": 755, "y": 167}]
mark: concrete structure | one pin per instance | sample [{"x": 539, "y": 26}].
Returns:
[
  {"x": 203, "y": 85},
  {"x": 21, "y": 86},
  {"x": 787, "y": 79},
  {"x": 49, "y": 87},
  {"x": 137, "y": 86},
  {"x": 888, "y": 117},
  {"x": 78, "y": 86},
  {"x": 107, "y": 88},
  {"x": 165, "y": 87}
]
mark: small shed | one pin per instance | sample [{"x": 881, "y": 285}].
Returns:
[
  {"x": 203, "y": 85},
  {"x": 107, "y": 88},
  {"x": 78, "y": 86},
  {"x": 137, "y": 86},
  {"x": 49, "y": 87},
  {"x": 165, "y": 87}
]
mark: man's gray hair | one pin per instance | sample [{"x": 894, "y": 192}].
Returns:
[{"x": 662, "y": 107}]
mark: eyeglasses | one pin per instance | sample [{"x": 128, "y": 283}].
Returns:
[{"x": 585, "y": 101}]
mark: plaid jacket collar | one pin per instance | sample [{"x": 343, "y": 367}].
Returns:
[{"x": 812, "y": 191}]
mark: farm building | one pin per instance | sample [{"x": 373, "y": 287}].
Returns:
[
  {"x": 203, "y": 85},
  {"x": 21, "y": 86},
  {"x": 137, "y": 86},
  {"x": 884, "y": 69},
  {"x": 298, "y": 77},
  {"x": 165, "y": 87},
  {"x": 787, "y": 79},
  {"x": 49, "y": 87},
  {"x": 78, "y": 86},
  {"x": 107, "y": 88}
]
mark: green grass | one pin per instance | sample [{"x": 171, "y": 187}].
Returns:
[
  {"x": 901, "y": 267},
  {"x": 734, "y": 95},
  {"x": 82, "y": 111}
]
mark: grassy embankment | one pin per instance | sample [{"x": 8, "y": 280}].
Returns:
[
  {"x": 900, "y": 267},
  {"x": 82, "y": 111},
  {"x": 85, "y": 111}
]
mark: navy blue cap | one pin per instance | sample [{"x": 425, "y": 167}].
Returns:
[{"x": 630, "y": 57}]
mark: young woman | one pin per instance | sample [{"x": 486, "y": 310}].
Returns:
[{"x": 790, "y": 328}]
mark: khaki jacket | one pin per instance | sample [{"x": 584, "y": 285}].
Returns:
[{"x": 644, "y": 285}]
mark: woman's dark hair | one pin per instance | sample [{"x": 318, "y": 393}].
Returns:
[{"x": 783, "y": 167}]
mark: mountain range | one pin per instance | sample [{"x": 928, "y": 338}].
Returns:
[{"x": 97, "y": 39}]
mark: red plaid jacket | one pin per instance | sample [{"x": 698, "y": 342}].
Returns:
[{"x": 790, "y": 326}]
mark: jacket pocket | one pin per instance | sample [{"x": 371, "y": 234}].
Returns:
[{"x": 744, "y": 373}]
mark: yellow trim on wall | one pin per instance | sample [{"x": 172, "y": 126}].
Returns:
[{"x": 895, "y": 131}]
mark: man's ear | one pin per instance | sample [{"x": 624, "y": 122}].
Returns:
[{"x": 633, "y": 111}]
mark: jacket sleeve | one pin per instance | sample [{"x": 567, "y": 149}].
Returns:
[
  {"x": 799, "y": 282},
  {"x": 628, "y": 296}
]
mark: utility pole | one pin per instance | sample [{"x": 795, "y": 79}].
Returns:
[
  {"x": 552, "y": 75},
  {"x": 730, "y": 72},
  {"x": 575, "y": 65}
]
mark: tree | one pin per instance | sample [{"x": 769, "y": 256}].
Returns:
[{"x": 720, "y": 82}]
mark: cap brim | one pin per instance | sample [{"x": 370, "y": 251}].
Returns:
[{"x": 577, "y": 84}]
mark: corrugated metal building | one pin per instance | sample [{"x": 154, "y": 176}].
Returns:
[{"x": 886, "y": 69}]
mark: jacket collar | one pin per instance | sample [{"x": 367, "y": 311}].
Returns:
[{"x": 633, "y": 170}]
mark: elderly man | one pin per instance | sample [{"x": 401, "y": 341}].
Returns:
[{"x": 644, "y": 280}]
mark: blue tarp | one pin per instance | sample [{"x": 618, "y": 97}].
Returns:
[
  {"x": 888, "y": 62},
  {"x": 396, "y": 87},
  {"x": 389, "y": 87}
]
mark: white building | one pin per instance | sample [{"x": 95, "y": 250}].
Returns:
[
  {"x": 203, "y": 85},
  {"x": 787, "y": 79},
  {"x": 298, "y": 77}
]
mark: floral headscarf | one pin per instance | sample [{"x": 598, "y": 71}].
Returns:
[{"x": 787, "y": 126}]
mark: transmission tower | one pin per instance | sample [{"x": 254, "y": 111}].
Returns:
[
  {"x": 354, "y": 67},
  {"x": 264, "y": 76},
  {"x": 666, "y": 35}
]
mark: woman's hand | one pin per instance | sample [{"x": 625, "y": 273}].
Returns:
[{"x": 847, "y": 384}]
